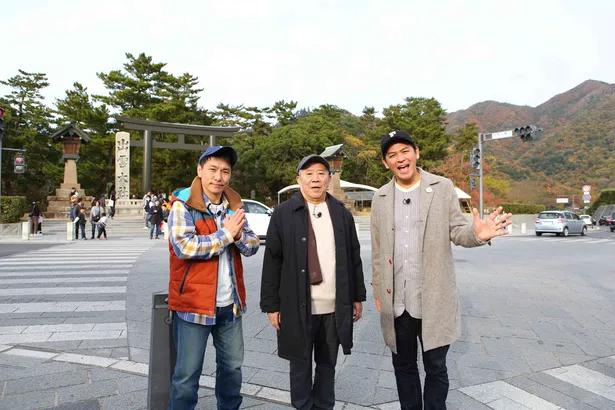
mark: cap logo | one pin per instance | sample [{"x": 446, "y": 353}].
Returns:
[{"x": 392, "y": 133}]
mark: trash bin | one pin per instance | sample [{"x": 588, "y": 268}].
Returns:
[{"x": 162, "y": 354}]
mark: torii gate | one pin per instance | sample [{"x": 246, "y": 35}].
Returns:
[{"x": 123, "y": 144}]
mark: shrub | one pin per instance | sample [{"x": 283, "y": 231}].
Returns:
[
  {"x": 13, "y": 208},
  {"x": 607, "y": 197},
  {"x": 527, "y": 209}
]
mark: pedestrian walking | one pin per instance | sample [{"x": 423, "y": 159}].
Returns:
[
  {"x": 208, "y": 236},
  {"x": 95, "y": 214},
  {"x": 312, "y": 285},
  {"x": 102, "y": 226},
  {"x": 155, "y": 212},
  {"x": 414, "y": 219},
  {"x": 79, "y": 223},
  {"x": 111, "y": 203},
  {"x": 146, "y": 205},
  {"x": 34, "y": 214},
  {"x": 72, "y": 201}
]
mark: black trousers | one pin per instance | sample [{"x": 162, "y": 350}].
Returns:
[
  {"x": 407, "y": 331},
  {"x": 102, "y": 230},
  {"x": 324, "y": 343}
]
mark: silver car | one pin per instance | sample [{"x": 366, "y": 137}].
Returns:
[{"x": 560, "y": 223}]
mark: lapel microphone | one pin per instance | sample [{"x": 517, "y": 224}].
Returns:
[
  {"x": 216, "y": 213},
  {"x": 318, "y": 215},
  {"x": 406, "y": 201}
]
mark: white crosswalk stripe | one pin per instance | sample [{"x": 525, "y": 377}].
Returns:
[
  {"x": 502, "y": 395},
  {"x": 67, "y": 293}
]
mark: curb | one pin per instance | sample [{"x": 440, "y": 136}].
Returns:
[{"x": 142, "y": 369}]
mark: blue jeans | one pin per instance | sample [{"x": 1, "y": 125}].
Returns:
[
  {"x": 151, "y": 230},
  {"x": 190, "y": 341}
]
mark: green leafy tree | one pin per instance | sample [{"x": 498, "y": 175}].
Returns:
[
  {"x": 145, "y": 90},
  {"x": 27, "y": 127},
  {"x": 424, "y": 119},
  {"x": 97, "y": 164}
]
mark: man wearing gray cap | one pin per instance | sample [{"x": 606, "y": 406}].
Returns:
[{"x": 312, "y": 284}]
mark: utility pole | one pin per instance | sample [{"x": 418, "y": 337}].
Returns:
[
  {"x": 526, "y": 133},
  {"x": 1, "y": 133}
]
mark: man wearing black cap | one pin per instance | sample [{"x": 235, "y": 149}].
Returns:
[
  {"x": 208, "y": 234},
  {"x": 312, "y": 284},
  {"x": 414, "y": 219}
]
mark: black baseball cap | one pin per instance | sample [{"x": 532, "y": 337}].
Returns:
[
  {"x": 218, "y": 151},
  {"x": 393, "y": 137},
  {"x": 312, "y": 158}
]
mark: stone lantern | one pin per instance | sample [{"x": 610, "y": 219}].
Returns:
[
  {"x": 335, "y": 154},
  {"x": 71, "y": 138}
]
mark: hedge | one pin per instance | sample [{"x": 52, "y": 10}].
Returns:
[
  {"x": 521, "y": 209},
  {"x": 13, "y": 208},
  {"x": 607, "y": 197}
]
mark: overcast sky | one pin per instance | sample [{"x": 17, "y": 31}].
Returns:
[{"x": 348, "y": 53}]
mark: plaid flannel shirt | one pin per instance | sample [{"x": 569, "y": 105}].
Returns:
[{"x": 188, "y": 245}]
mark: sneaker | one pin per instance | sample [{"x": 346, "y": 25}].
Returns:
[
  {"x": 105, "y": 238},
  {"x": 85, "y": 239},
  {"x": 145, "y": 227},
  {"x": 157, "y": 238}
]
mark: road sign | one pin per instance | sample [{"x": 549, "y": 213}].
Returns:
[
  {"x": 586, "y": 202},
  {"x": 587, "y": 197},
  {"x": 561, "y": 201},
  {"x": 503, "y": 134},
  {"x": 587, "y": 188}
]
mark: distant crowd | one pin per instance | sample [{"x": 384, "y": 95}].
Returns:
[
  {"x": 156, "y": 208},
  {"x": 99, "y": 207}
]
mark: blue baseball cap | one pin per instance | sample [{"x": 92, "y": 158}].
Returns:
[{"x": 218, "y": 151}]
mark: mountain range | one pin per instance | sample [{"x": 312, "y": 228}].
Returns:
[{"x": 576, "y": 148}]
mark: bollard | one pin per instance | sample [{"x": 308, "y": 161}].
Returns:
[
  {"x": 523, "y": 227},
  {"x": 165, "y": 230},
  {"x": 70, "y": 231},
  {"x": 25, "y": 231},
  {"x": 162, "y": 354}
]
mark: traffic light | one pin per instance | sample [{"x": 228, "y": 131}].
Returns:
[
  {"x": 472, "y": 184},
  {"x": 475, "y": 159},
  {"x": 20, "y": 164},
  {"x": 1, "y": 119},
  {"x": 526, "y": 133}
]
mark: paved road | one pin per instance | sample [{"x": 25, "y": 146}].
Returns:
[{"x": 537, "y": 313}]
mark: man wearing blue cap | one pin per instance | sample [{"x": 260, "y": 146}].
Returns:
[{"x": 208, "y": 233}]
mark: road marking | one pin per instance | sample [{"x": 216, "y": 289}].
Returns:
[
  {"x": 44, "y": 307},
  {"x": 65, "y": 273},
  {"x": 501, "y": 395},
  {"x": 63, "y": 268},
  {"x": 63, "y": 280},
  {"x": 64, "y": 262},
  {"x": 587, "y": 379},
  {"x": 61, "y": 291}
]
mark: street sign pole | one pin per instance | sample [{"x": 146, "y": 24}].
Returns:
[{"x": 480, "y": 176}]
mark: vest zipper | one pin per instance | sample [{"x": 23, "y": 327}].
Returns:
[{"x": 181, "y": 287}]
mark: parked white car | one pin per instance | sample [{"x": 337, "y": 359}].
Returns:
[
  {"x": 588, "y": 220},
  {"x": 258, "y": 216}
]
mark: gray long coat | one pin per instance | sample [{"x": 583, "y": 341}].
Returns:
[{"x": 441, "y": 223}]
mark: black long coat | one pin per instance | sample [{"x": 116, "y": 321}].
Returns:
[{"x": 285, "y": 285}]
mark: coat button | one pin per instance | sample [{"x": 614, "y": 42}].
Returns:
[
  {"x": 303, "y": 239},
  {"x": 303, "y": 271},
  {"x": 303, "y": 305}
]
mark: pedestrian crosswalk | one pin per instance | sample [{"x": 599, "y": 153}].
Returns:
[
  {"x": 574, "y": 240},
  {"x": 67, "y": 293},
  {"x": 579, "y": 382}
]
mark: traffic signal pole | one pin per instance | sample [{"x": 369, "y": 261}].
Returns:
[
  {"x": 526, "y": 133},
  {"x": 480, "y": 176}
]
